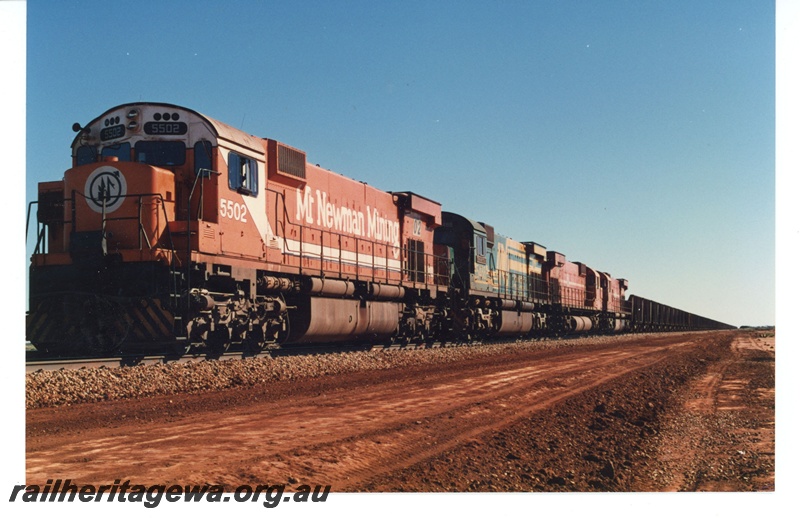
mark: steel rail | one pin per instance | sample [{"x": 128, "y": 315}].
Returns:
[{"x": 33, "y": 364}]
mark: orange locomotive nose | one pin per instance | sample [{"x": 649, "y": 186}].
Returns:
[{"x": 129, "y": 202}]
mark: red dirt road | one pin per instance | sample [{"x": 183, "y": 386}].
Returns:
[{"x": 583, "y": 418}]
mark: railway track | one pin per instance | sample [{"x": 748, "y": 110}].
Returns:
[
  {"x": 33, "y": 365},
  {"x": 34, "y": 361}
]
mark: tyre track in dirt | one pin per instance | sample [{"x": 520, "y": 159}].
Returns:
[
  {"x": 349, "y": 461},
  {"x": 721, "y": 435}
]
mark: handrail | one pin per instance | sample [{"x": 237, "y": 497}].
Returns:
[
  {"x": 73, "y": 222},
  {"x": 28, "y": 220},
  {"x": 41, "y": 240},
  {"x": 200, "y": 175}
]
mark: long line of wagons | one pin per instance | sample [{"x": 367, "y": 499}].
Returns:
[{"x": 172, "y": 229}]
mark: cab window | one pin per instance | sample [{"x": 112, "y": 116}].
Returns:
[
  {"x": 202, "y": 156},
  {"x": 480, "y": 249},
  {"x": 480, "y": 245},
  {"x": 242, "y": 174},
  {"x": 86, "y": 155},
  {"x": 160, "y": 153},
  {"x": 122, "y": 151}
]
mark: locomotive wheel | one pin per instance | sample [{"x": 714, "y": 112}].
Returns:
[
  {"x": 253, "y": 343},
  {"x": 218, "y": 341},
  {"x": 180, "y": 348}
]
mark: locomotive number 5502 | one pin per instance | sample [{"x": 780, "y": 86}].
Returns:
[{"x": 233, "y": 210}]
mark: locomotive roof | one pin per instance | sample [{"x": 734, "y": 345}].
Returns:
[
  {"x": 220, "y": 129},
  {"x": 475, "y": 225}
]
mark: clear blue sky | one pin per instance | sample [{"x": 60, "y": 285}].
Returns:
[{"x": 634, "y": 136}]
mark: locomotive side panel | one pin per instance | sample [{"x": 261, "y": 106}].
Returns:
[
  {"x": 595, "y": 292},
  {"x": 419, "y": 218},
  {"x": 330, "y": 225},
  {"x": 537, "y": 281},
  {"x": 567, "y": 281},
  {"x": 511, "y": 269},
  {"x": 615, "y": 308}
]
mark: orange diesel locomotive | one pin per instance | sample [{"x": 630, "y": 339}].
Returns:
[{"x": 172, "y": 227}]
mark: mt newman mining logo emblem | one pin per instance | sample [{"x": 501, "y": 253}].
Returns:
[{"x": 105, "y": 186}]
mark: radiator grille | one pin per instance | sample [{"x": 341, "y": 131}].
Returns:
[{"x": 291, "y": 162}]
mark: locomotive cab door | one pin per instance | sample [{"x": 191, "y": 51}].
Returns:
[{"x": 241, "y": 205}]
